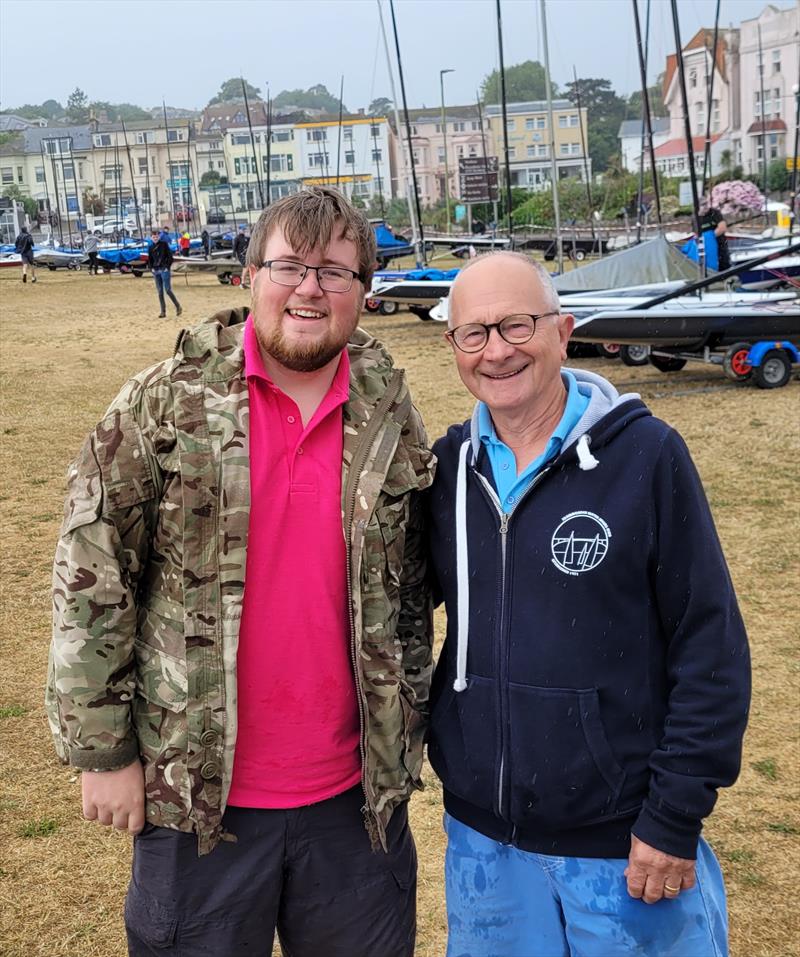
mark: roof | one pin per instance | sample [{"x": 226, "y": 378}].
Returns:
[
  {"x": 768, "y": 126},
  {"x": 703, "y": 37},
  {"x": 10, "y": 122},
  {"x": 677, "y": 146},
  {"x": 434, "y": 113},
  {"x": 660, "y": 124},
  {"x": 81, "y": 136},
  {"x": 529, "y": 106}
]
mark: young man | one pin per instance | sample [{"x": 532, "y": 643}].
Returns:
[
  {"x": 242, "y": 642},
  {"x": 90, "y": 246},
  {"x": 592, "y": 692},
  {"x": 24, "y": 246},
  {"x": 241, "y": 241},
  {"x": 159, "y": 259}
]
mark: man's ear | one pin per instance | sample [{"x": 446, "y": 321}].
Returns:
[{"x": 565, "y": 324}]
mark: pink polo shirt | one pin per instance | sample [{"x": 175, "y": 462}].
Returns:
[{"x": 298, "y": 738}]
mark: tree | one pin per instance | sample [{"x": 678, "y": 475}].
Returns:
[
  {"x": 92, "y": 203},
  {"x": 380, "y": 106},
  {"x": 314, "y": 98},
  {"x": 50, "y": 109},
  {"x": 210, "y": 178},
  {"x": 604, "y": 113},
  {"x": 524, "y": 81},
  {"x": 230, "y": 91},
  {"x": 78, "y": 106},
  {"x": 30, "y": 205},
  {"x": 778, "y": 178},
  {"x": 123, "y": 111},
  {"x": 655, "y": 96}
]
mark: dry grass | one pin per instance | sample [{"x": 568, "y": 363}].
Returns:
[{"x": 67, "y": 345}]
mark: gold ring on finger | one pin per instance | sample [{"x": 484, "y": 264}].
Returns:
[{"x": 671, "y": 890}]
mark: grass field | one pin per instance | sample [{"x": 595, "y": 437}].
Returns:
[{"x": 68, "y": 343}]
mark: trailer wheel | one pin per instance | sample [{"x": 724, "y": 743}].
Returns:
[
  {"x": 735, "y": 364},
  {"x": 580, "y": 255},
  {"x": 388, "y": 308},
  {"x": 421, "y": 313},
  {"x": 608, "y": 350},
  {"x": 667, "y": 363},
  {"x": 51, "y": 267},
  {"x": 224, "y": 278},
  {"x": 775, "y": 370},
  {"x": 372, "y": 305},
  {"x": 634, "y": 355},
  {"x": 236, "y": 280}
]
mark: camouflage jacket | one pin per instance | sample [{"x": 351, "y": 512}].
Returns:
[{"x": 149, "y": 580}]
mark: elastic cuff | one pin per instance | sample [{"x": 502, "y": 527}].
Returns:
[
  {"x": 94, "y": 759},
  {"x": 666, "y": 831}
]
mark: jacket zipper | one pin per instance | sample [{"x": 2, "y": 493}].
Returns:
[
  {"x": 505, "y": 518},
  {"x": 359, "y": 459}
]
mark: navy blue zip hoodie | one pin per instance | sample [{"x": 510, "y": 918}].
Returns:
[{"x": 604, "y": 674}]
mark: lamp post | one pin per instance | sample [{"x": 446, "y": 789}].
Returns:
[
  {"x": 444, "y": 135},
  {"x": 793, "y": 200}
]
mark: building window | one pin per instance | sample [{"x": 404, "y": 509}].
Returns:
[
  {"x": 717, "y": 117},
  {"x": 573, "y": 120},
  {"x": 459, "y": 127},
  {"x": 460, "y": 150},
  {"x": 69, "y": 171},
  {"x": 511, "y": 124},
  {"x": 111, "y": 174},
  {"x": 476, "y": 125},
  {"x": 540, "y": 123},
  {"x": 413, "y": 131},
  {"x": 143, "y": 165},
  {"x": 773, "y": 145},
  {"x": 7, "y": 174},
  {"x": 102, "y": 139},
  {"x": 375, "y": 129},
  {"x": 316, "y": 136},
  {"x": 39, "y": 174},
  {"x": 282, "y": 136},
  {"x": 542, "y": 150},
  {"x": 564, "y": 149},
  {"x": 145, "y": 136},
  {"x": 531, "y": 150},
  {"x": 350, "y": 157},
  {"x": 377, "y": 156},
  {"x": 144, "y": 195},
  {"x": 473, "y": 150},
  {"x": 438, "y": 128},
  {"x": 529, "y": 123},
  {"x": 575, "y": 149},
  {"x": 512, "y": 152},
  {"x": 757, "y": 106},
  {"x": 240, "y": 139},
  {"x": 440, "y": 154},
  {"x": 776, "y": 102},
  {"x": 318, "y": 159},
  {"x": 776, "y": 61},
  {"x": 693, "y": 78},
  {"x": 176, "y": 136},
  {"x": 347, "y": 131},
  {"x": 563, "y": 122},
  {"x": 279, "y": 163},
  {"x": 20, "y": 177}
]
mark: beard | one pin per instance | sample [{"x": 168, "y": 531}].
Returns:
[{"x": 307, "y": 357}]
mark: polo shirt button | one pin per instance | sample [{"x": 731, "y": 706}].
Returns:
[
  {"x": 510, "y": 500},
  {"x": 300, "y": 450},
  {"x": 505, "y": 466},
  {"x": 290, "y": 419}
]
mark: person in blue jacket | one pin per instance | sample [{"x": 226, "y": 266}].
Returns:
[{"x": 592, "y": 691}]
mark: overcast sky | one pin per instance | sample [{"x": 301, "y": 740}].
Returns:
[{"x": 143, "y": 51}]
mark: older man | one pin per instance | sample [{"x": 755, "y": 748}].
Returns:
[
  {"x": 242, "y": 632},
  {"x": 592, "y": 693}
]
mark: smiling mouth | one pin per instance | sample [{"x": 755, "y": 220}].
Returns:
[
  {"x": 506, "y": 375},
  {"x": 305, "y": 314}
]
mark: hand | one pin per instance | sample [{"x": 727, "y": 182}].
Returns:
[
  {"x": 653, "y": 875},
  {"x": 115, "y": 797}
]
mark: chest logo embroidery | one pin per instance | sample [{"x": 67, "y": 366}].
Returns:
[{"x": 580, "y": 542}]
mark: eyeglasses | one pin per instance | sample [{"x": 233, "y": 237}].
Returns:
[
  {"x": 515, "y": 330},
  {"x": 330, "y": 278}
]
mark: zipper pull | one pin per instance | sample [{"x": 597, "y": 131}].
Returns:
[{"x": 504, "y": 523}]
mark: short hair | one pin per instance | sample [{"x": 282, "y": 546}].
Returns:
[
  {"x": 544, "y": 277},
  {"x": 310, "y": 218}
]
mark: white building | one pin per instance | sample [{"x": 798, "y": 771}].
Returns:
[{"x": 630, "y": 141}]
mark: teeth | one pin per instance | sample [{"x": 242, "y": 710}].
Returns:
[
  {"x": 507, "y": 375},
  {"x": 306, "y": 313}
]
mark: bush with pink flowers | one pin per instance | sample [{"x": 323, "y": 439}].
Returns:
[{"x": 736, "y": 197}]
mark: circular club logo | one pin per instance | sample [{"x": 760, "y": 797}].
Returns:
[{"x": 580, "y": 542}]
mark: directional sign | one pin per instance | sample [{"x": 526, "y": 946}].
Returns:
[{"x": 477, "y": 178}]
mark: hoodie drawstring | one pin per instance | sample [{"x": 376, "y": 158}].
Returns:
[
  {"x": 462, "y": 570},
  {"x": 586, "y": 460}
]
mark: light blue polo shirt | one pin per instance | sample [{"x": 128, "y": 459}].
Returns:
[{"x": 510, "y": 486}]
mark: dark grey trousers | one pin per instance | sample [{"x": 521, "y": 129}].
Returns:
[{"x": 308, "y": 873}]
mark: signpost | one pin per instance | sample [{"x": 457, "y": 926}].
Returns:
[{"x": 477, "y": 179}]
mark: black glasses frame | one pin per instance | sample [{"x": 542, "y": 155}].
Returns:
[
  {"x": 268, "y": 263},
  {"x": 488, "y": 326}
]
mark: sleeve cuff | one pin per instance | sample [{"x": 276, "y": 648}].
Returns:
[
  {"x": 93, "y": 759},
  {"x": 667, "y": 831}
]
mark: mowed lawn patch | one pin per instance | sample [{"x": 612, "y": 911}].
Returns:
[{"x": 69, "y": 342}]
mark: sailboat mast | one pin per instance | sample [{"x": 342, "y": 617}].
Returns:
[
  {"x": 710, "y": 85},
  {"x": 171, "y": 178},
  {"x": 412, "y": 212},
  {"x": 643, "y": 136},
  {"x": 583, "y": 150},
  {"x": 252, "y": 144},
  {"x": 66, "y": 190},
  {"x": 269, "y": 148},
  {"x": 507, "y": 163},
  {"x": 553, "y": 166},
  {"x": 133, "y": 181},
  {"x": 339, "y": 132},
  {"x": 688, "y": 131},
  {"x": 55, "y": 187},
  {"x": 421, "y": 254},
  {"x": 793, "y": 200},
  {"x": 648, "y": 122},
  {"x": 763, "y": 126}
]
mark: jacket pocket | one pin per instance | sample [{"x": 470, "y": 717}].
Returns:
[
  {"x": 413, "y": 740},
  {"x": 463, "y": 745},
  {"x": 563, "y": 772},
  {"x": 161, "y": 678}
]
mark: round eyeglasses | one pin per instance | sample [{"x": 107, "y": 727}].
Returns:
[
  {"x": 515, "y": 330},
  {"x": 285, "y": 272}
]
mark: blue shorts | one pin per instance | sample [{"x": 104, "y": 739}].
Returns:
[{"x": 503, "y": 902}]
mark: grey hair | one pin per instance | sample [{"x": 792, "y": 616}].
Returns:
[{"x": 543, "y": 276}]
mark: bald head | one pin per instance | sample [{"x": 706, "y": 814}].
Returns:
[{"x": 503, "y": 275}]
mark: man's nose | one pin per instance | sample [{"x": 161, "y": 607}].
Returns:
[
  {"x": 310, "y": 284},
  {"x": 496, "y": 346}
]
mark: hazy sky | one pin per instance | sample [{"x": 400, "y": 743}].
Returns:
[{"x": 180, "y": 50}]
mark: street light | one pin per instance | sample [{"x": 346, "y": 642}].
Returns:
[{"x": 444, "y": 135}]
